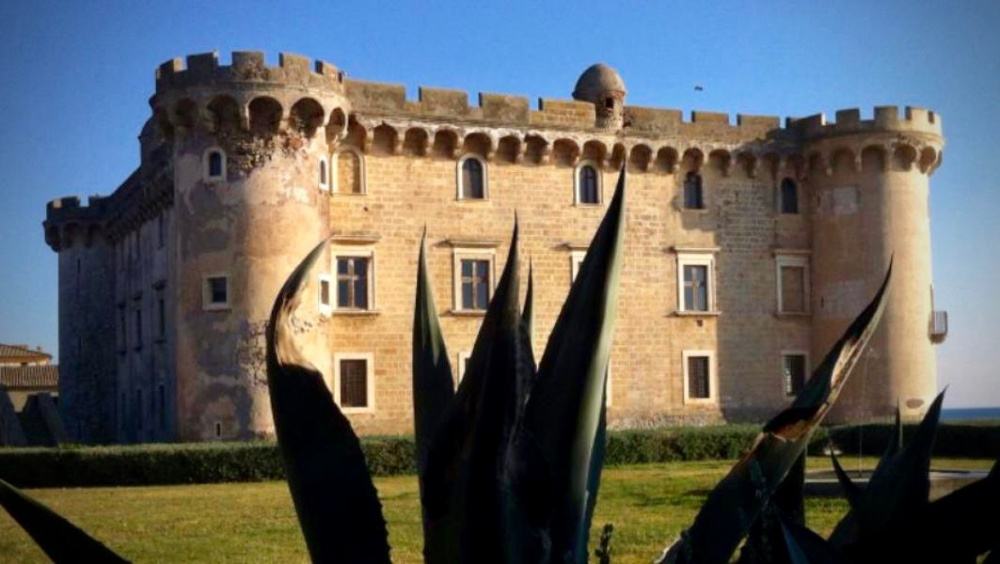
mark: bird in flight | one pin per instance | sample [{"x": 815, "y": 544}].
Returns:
[{"x": 698, "y": 88}]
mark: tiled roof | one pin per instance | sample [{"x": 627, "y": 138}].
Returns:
[
  {"x": 12, "y": 353},
  {"x": 46, "y": 376}
]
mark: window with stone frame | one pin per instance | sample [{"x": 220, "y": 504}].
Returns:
[
  {"x": 215, "y": 292},
  {"x": 215, "y": 164},
  {"x": 354, "y": 383},
  {"x": 694, "y": 197},
  {"x": 475, "y": 284},
  {"x": 696, "y": 281},
  {"x": 350, "y": 172},
  {"x": 789, "y": 196},
  {"x": 699, "y": 377},
  {"x": 353, "y": 282},
  {"x": 324, "y": 177},
  {"x": 588, "y": 184},
  {"x": 471, "y": 178},
  {"x": 794, "y": 371},
  {"x": 793, "y": 284}
]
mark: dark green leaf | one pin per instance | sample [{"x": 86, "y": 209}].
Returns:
[
  {"x": 553, "y": 467},
  {"x": 805, "y": 546},
  {"x": 336, "y": 502},
  {"x": 765, "y": 540},
  {"x": 956, "y": 528},
  {"x": 851, "y": 490},
  {"x": 733, "y": 506},
  {"x": 465, "y": 501},
  {"x": 898, "y": 489},
  {"x": 433, "y": 386},
  {"x": 61, "y": 540}
]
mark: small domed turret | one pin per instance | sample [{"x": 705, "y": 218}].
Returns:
[{"x": 602, "y": 86}]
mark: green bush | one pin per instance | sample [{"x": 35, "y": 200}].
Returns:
[
  {"x": 188, "y": 463},
  {"x": 198, "y": 463},
  {"x": 960, "y": 440}
]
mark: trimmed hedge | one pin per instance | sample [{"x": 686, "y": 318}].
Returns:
[
  {"x": 960, "y": 440},
  {"x": 198, "y": 463}
]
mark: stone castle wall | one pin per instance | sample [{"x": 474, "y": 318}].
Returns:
[{"x": 275, "y": 125}]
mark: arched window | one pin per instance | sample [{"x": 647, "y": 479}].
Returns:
[
  {"x": 350, "y": 171},
  {"x": 789, "y": 196},
  {"x": 693, "y": 197},
  {"x": 588, "y": 184},
  {"x": 324, "y": 183},
  {"x": 215, "y": 164},
  {"x": 471, "y": 179}
]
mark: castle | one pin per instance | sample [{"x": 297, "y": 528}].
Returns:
[{"x": 749, "y": 247}]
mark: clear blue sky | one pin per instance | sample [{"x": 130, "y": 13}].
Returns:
[{"x": 76, "y": 77}]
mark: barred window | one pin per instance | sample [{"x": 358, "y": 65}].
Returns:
[
  {"x": 698, "y": 377},
  {"x": 794, "y": 373},
  {"x": 354, "y": 383}
]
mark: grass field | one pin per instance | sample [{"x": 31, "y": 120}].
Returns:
[{"x": 255, "y": 522}]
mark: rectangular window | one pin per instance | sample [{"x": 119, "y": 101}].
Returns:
[
  {"x": 353, "y": 277},
  {"x": 575, "y": 262},
  {"x": 696, "y": 288},
  {"x": 215, "y": 293},
  {"x": 793, "y": 283},
  {"x": 696, "y": 280},
  {"x": 700, "y": 381},
  {"x": 325, "y": 303},
  {"x": 354, "y": 383},
  {"x": 475, "y": 284},
  {"x": 794, "y": 372}
]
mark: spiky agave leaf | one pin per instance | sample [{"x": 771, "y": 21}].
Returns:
[
  {"x": 433, "y": 385},
  {"x": 765, "y": 540},
  {"x": 463, "y": 494},
  {"x": 956, "y": 528},
  {"x": 899, "y": 487},
  {"x": 336, "y": 502},
  {"x": 554, "y": 466},
  {"x": 805, "y": 546},
  {"x": 61, "y": 540},
  {"x": 734, "y": 504},
  {"x": 851, "y": 490},
  {"x": 526, "y": 377}
]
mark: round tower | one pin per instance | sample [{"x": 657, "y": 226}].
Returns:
[
  {"x": 251, "y": 146},
  {"x": 870, "y": 184},
  {"x": 602, "y": 86}
]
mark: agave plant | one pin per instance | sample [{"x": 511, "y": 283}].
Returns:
[
  {"x": 891, "y": 520},
  {"x": 509, "y": 463}
]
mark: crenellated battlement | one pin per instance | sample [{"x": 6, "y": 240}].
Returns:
[
  {"x": 512, "y": 110},
  {"x": 247, "y": 67},
  {"x": 885, "y": 119}
]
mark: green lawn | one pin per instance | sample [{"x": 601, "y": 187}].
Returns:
[{"x": 648, "y": 504}]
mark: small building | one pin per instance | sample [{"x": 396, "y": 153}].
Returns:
[{"x": 29, "y": 391}]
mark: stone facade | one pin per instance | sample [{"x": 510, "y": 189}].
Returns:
[{"x": 166, "y": 285}]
